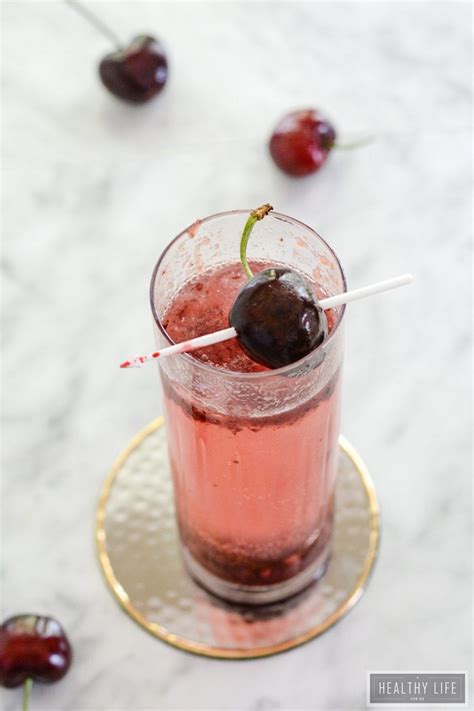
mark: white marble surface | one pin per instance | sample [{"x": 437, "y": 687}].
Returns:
[{"x": 94, "y": 189}]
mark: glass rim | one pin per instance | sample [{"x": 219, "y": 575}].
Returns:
[{"x": 234, "y": 373}]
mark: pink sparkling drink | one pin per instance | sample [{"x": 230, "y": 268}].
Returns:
[{"x": 253, "y": 451}]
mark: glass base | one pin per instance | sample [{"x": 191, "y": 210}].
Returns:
[
  {"x": 256, "y": 594},
  {"x": 139, "y": 553}
]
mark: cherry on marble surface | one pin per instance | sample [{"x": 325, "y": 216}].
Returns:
[
  {"x": 301, "y": 142},
  {"x": 33, "y": 647},
  {"x": 135, "y": 73}
]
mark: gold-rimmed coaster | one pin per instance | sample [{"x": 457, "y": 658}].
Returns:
[{"x": 139, "y": 554}]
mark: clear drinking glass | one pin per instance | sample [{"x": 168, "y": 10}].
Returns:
[{"x": 253, "y": 455}]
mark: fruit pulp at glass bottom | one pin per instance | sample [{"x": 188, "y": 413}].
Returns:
[{"x": 254, "y": 496}]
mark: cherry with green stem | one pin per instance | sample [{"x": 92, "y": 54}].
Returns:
[
  {"x": 32, "y": 648},
  {"x": 303, "y": 140},
  {"x": 135, "y": 72},
  {"x": 276, "y": 315}
]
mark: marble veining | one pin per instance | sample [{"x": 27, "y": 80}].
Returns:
[{"x": 93, "y": 191}]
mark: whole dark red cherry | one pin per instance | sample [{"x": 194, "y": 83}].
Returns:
[
  {"x": 33, "y": 647},
  {"x": 277, "y": 317},
  {"x": 301, "y": 142},
  {"x": 135, "y": 73}
]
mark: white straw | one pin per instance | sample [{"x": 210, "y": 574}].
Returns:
[
  {"x": 348, "y": 296},
  {"x": 227, "y": 333}
]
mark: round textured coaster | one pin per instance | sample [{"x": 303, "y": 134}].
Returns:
[{"x": 139, "y": 553}]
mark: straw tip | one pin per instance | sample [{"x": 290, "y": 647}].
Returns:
[{"x": 125, "y": 364}]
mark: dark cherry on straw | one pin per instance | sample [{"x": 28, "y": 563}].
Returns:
[
  {"x": 276, "y": 315},
  {"x": 277, "y": 318},
  {"x": 301, "y": 142},
  {"x": 33, "y": 648}
]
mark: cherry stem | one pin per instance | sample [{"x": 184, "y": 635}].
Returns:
[
  {"x": 26, "y": 693},
  {"x": 355, "y": 144},
  {"x": 95, "y": 22},
  {"x": 256, "y": 215}
]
